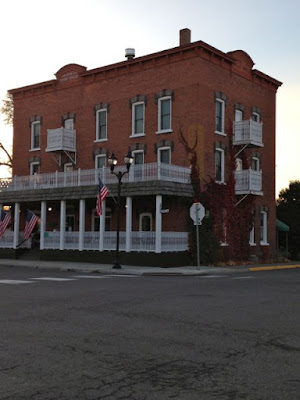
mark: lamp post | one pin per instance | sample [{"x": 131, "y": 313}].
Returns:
[{"x": 112, "y": 161}]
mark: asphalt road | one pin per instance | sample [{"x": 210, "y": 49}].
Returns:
[{"x": 231, "y": 337}]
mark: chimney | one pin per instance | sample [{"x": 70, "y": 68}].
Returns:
[{"x": 185, "y": 36}]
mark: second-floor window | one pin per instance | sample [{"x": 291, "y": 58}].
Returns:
[
  {"x": 69, "y": 124},
  {"x": 34, "y": 168},
  {"x": 100, "y": 161},
  {"x": 219, "y": 165},
  {"x": 263, "y": 227},
  {"x": 255, "y": 164},
  {"x": 101, "y": 125},
  {"x": 164, "y": 155},
  {"x": 220, "y": 116},
  {"x": 35, "y": 135},
  {"x": 138, "y": 118},
  {"x": 164, "y": 114}
]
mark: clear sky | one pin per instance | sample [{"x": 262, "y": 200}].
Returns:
[{"x": 39, "y": 37}]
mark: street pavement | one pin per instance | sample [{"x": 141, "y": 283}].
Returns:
[{"x": 142, "y": 270}]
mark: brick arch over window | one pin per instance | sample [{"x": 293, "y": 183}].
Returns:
[
  {"x": 164, "y": 143},
  {"x": 35, "y": 118},
  {"x": 164, "y": 93},
  {"x": 100, "y": 150},
  {"x": 101, "y": 106},
  {"x": 68, "y": 115},
  {"x": 34, "y": 159},
  {"x": 136, "y": 99},
  {"x": 138, "y": 146}
]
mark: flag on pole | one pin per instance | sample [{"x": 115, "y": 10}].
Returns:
[
  {"x": 31, "y": 220},
  {"x": 4, "y": 221},
  {"x": 102, "y": 193}
]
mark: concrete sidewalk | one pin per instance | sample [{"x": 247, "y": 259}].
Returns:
[{"x": 140, "y": 270}]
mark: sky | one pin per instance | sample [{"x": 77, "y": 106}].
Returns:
[{"x": 39, "y": 37}]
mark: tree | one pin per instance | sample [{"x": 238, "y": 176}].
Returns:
[
  {"x": 288, "y": 211},
  {"x": 7, "y": 110}
]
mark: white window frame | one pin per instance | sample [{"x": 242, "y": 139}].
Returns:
[
  {"x": 238, "y": 164},
  {"x": 264, "y": 228},
  {"x": 256, "y": 116},
  {"x": 140, "y": 221},
  {"x": 159, "y": 150},
  {"x": 100, "y": 156},
  {"x": 160, "y": 130},
  {"x": 222, "y": 131},
  {"x": 69, "y": 121},
  {"x": 32, "y": 164},
  {"x": 136, "y": 152},
  {"x": 238, "y": 115},
  {"x": 33, "y": 124},
  {"x": 222, "y": 152},
  {"x": 134, "y": 105},
  {"x": 98, "y": 112},
  {"x": 66, "y": 166},
  {"x": 257, "y": 161}
]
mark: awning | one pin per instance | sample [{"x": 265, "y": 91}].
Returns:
[{"x": 281, "y": 226}]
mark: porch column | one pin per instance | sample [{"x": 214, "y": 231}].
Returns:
[
  {"x": 158, "y": 224},
  {"x": 62, "y": 224},
  {"x": 16, "y": 225},
  {"x": 81, "y": 223},
  {"x": 128, "y": 223},
  {"x": 102, "y": 226},
  {"x": 43, "y": 224}
]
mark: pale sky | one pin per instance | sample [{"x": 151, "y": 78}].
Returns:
[{"x": 39, "y": 37}]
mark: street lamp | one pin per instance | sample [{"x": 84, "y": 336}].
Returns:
[{"x": 113, "y": 161}]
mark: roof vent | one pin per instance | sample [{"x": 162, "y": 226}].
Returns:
[{"x": 129, "y": 54}]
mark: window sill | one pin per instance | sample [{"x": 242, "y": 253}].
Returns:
[
  {"x": 264, "y": 244},
  {"x": 220, "y": 133},
  {"x": 224, "y": 244},
  {"x": 137, "y": 135},
  {"x": 220, "y": 182},
  {"x": 100, "y": 140},
  {"x": 36, "y": 149},
  {"x": 164, "y": 131},
  {"x": 252, "y": 244}
]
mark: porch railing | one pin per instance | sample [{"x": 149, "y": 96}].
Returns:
[
  {"x": 87, "y": 177},
  {"x": 248, "y": 181},
  {"x": 247, "y": 132}
]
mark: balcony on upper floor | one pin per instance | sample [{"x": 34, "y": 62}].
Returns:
[
  {"x": 248, "y": 181},
  {"x": 247, "y": 132},
  {"x": 89, "y": 177},
  {"x": 61, "y": 139}
]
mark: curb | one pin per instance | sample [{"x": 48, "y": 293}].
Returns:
[{"x": 273, "y": 267}]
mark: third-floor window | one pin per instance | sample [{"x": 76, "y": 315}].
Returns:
[
  {"x": 101, "y": 125},
  {"x": 35, "y": 135}
]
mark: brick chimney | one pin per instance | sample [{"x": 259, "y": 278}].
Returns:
[{"x": 184, "y": 36}]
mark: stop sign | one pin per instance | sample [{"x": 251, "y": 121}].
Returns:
[{"x": 197, "y": 213}]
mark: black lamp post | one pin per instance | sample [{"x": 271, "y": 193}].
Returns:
[{"x": 112, "y": 161}]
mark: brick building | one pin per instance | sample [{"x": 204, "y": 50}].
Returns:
[{"x": 66, "y": 128}]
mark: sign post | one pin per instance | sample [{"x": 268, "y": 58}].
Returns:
[{"x": 197, "y": 213}]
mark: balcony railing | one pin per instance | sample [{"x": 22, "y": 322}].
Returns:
[
  {"x": 247, "y": 132},
  {"x": 61, "y": 139},
  {"x": 248, "y": 182},
  {"x": 88, "y": 177}
]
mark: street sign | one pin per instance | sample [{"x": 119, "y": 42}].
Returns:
[{"x": 197, "y": 213}]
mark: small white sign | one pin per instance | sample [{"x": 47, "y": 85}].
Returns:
[{"x": 197, "y": 213}]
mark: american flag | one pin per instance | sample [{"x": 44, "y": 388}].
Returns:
[
  {"x": 31, "y": 220},
  {"x": 102, "y": 193},
  {"x": 4, "y": 221}
]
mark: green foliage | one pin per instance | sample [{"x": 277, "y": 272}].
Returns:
[{"x": 288, "y": 211}]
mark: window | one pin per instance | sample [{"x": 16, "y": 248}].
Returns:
[
  {"x": 35, "y": 135},
  {"x": 164, "y": 114},
  {"x": 68, "y": 167},
  {"x": 69, "y": 124},
  {"x": 164, "y": 155},
  {"x": 138, "y": 157},
  {"x": 34, "y": 168},
  {"x": 101, "y": 125},
  {"x": 238, "y": 164},
  {"x": 146, "y": 222},
  {"x": 252, "y": 237},
  {"x": 100, "y": 161},
  {"x": 255, "y": 116},
  {"x": 255, "y": 164},
  {"x": 263, "y": 227},
  {"x": 138, "y": 119},
  {"x": 220, "y": 117},
  {"x": 96, "y": 220},
  {"x": 219, "y": 165},
  {"x": 238, "y": 115}
]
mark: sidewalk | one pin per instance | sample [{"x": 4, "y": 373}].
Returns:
[{"x": 139, "y": 270}]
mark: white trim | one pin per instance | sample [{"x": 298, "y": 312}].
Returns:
[
  {"x": 32, "y": 135},
  {"x": 133, "y": 133},
  {"x": 100, "y": 140},
  {"x": 66, "y": 165},
  {"x": 222, "y": 152},
  {"x": 264, "y": 228},
  {"x": 256, "y": 116},
  {"x": 104, "y": 110},
  {"x": 136, "y": 152},
  {"x": 98, "y": 156},
  {"x": 159, "y": 150},
  {"x": 31, "y": 167},
  {"x": 222, "y": 132},
  {"x": 238, "y": 115},
  {"x": 66, "y": 121},
  {"x": 258, "y": 163},
  {"x": 252, "y": 237},
  {"x": 169, "y": 129}
]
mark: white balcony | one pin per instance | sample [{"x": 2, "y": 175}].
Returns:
[
  {"x": 61, "y": 139},
  {"x": 247, "y": 132},
  {"x": 248, "y": 182},
  {"x": 89, "y": 177}
]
